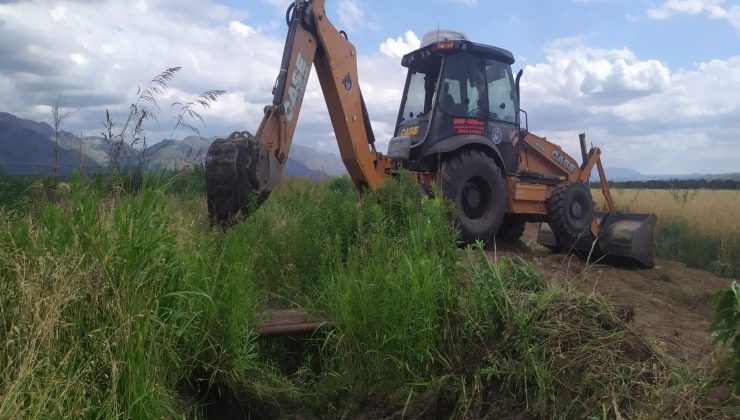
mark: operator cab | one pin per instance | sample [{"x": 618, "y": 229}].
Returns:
[{"x": 457, "y": 93}]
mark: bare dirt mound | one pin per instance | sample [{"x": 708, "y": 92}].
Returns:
[{"x": 670, "y": 305}]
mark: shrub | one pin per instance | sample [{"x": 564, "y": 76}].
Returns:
[{"x": 726, "y": 326}]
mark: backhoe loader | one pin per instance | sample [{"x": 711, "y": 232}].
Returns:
[{"x": 459, "y": 126}]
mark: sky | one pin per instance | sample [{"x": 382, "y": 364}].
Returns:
[{"x": 654, "y": 83}]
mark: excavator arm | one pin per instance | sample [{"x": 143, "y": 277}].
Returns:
[{"x": 243, "y": 169}]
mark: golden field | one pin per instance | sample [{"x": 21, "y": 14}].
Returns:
[
  {"x": 713, "y": 212},
  {"x": 699, "y": 227}
]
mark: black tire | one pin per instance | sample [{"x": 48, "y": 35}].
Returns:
[
  {"x": 473, "y": 182},
  {"x": 512, "y": 228},
  {"x": 570, "y": 210}
]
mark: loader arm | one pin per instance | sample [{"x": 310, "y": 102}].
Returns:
[
  {"x": 628, "y": 237},
  {"x": 546, "y": 157},
  {"x": 242, "y": 170}
]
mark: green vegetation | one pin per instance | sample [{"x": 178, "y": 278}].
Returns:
[
  {"x": 16, "y": 193},
  {"x": 726, "y": 325},
  {"x": 678, "y": 240},
  {"x": 118, "y": 300},
  {"x": 730, "y": 183}
]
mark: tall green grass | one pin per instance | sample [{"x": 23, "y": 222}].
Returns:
[
  {"x": 132, "y": 301},
  {"x": 391, "y": 292},
  {"x": 104, "y": 314},
  {"x": 558, "y": 353},
  {"x": 18, "y": 193},
  {"x": 118, "y": 300}
]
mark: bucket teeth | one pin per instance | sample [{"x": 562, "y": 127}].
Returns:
[{"x": 240, "y": 175}]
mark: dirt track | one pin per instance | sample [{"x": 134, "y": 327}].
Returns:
[{"x": 672, "y": 303}]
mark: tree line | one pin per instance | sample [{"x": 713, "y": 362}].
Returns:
[{"x": 708, "y": 184}]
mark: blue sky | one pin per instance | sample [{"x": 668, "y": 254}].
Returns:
[
  {"x": 655, "y": 83},
  {"x": 525, "y": 26}
]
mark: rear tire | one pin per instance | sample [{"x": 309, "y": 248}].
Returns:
[
  {"x": 570, "y": 211},
  {"x": 473, "y": 182},
  {"x": 512, "y": 228}
]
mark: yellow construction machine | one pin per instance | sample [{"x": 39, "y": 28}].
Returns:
[{"x": 459, "y": 126}]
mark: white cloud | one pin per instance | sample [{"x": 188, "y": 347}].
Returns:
[
  {"x": 241, "y": 29},
  {"x": 78, "y": 59},
  {"x": 642, "y": 114},
  {"x": 400, "y": 46},
  {"x": 109, "y": 48},
  {"x": 353, "y": 16},
  {"x": 92, "y": 49},
  {"x": 573, "y": 71},
  {"x": 714, "y": 9}
]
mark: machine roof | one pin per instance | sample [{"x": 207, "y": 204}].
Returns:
[{"x": 431, "y": 54}]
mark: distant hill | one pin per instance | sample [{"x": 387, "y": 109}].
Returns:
[
  {"x": 24, "y": 151},
  {"x": 39, "y": 127},
  {"x": 318, "y": 161},
  {"x": 27, "y": 148},
  {"x": 626, "y": 174}
]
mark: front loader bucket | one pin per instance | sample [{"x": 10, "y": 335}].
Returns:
[
  {"x": 624, "y": 237},
  {"x": 546, "y": 237},
  {"x": 240, "y": 174},
  {"x": 628, "y": 236}
]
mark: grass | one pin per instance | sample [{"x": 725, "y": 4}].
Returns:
[
  {"x": 118, "y": 300},
  {"x": 698, "y": 227},
  {"x": 18, "y": 193},
  {"x": 104, "y": 314},
  {"x": 726, "y": 325}
]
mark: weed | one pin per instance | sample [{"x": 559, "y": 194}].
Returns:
[
  {"x": 726, "y": 326},
  {"x": 130, "y": 141}
]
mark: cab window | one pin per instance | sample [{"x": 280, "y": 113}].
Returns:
[
  {"x": 413, "y": 106},
  {"x": 501, "y": 91},
  {"x": 463, "y": 90}
]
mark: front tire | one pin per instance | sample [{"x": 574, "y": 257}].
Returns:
[
  {"x": 473, "y": 182},
  {"x": 570, "y": 210}
]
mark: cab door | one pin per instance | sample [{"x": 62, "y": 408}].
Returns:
[
  {"x": 461, "y": 99},
  {"x": 502, "y": 116}
]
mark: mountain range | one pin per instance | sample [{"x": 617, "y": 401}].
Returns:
[
  {"x": 626, "y": 174},
  {"x": 27, "y": 148}
]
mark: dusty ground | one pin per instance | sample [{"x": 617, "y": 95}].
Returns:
[{"x": 672, "y": 303}]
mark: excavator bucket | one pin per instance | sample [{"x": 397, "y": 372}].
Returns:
[
  {"x": 624, "y": 237},
  {"x": 240, "y": 174}
]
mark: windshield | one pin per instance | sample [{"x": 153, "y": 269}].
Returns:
[{"x": 419, "y": 94}]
